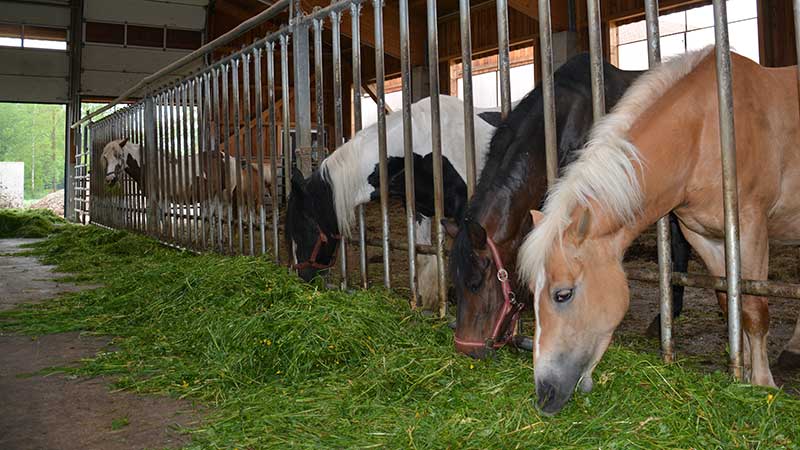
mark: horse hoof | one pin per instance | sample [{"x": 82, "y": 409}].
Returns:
[
  {"x": 654, "y": 329},
  {"x": 789, "y": 360}
]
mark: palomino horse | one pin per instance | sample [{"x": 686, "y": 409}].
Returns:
[
  {"x": 122, "y": 155},
  {"x": 484, "y": 252},
  {"x": 659, "y": 150},
  {"x": 322, "y": 208}
]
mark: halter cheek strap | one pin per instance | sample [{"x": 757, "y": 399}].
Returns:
[
  {"x": 503, "y": 329},
  {"x": 322, "y": 239}
]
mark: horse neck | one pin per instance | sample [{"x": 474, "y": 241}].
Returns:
[{"x": 666, "y": 157}]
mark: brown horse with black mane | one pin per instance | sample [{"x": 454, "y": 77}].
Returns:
[{"x": 659, "y": 151}]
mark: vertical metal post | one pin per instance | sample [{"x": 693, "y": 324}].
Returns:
[
  {"x": 436, "y": 140},
  {"x": 247, "y": 176},
  {"x": 302, "y": 93},
  {"x": 218, "y": 154},
  {"x": 503, "y": 62},
  {"x": 662, "y": 228},
  {"x": 408, "y": 146},
  {"x": 204, "y": 161},
  {"x": 262, "y": 214},
  {"x": 729, "y": 185},
  {"x": 355, "y": 35},
  {"x": 319, "y": 94},
  {"x": 237, "y": 138},
  {"x": 548, "y": 91},
  {"x": 383, "y": 163},
  {"x": 273, "y": 150},
  {"x": 172, "y": 163},
  {"x": 338, "y": 128},
  {"x": 227, "y": 153},
  {"x": 469, "y": 109},
  {"x": 796, "y": 8},
  {"x": 596, "y": 58},
  {"x": 194, "y": 166},
  {"x": 287, "y": 124}
]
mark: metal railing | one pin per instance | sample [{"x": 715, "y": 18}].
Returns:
[{"x": 198, "y": 134}]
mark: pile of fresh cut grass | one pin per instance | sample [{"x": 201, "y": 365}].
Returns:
[
  {"x": 283, "y": 364},
  {"x": 27, "y": 223}
]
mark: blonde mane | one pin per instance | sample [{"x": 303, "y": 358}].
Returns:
[{"x": 605, "y": 172}]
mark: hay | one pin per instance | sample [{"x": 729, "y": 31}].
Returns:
[
  {"x": 20, "y": 223},
  {"x": 282, "y": 364}
]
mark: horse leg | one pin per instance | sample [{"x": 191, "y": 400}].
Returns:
[
  {"x": 427, "y": 280},
  {"x": 790, "y": 356},
  {"x": 755, "y": 310},
  {"x": 681, "y": 251}
]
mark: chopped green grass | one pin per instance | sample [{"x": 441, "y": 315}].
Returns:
[
  {"x": 27, "y": 223},
  {"x": 282, "y": 364}
]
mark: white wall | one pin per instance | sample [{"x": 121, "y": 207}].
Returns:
[{"x": 12, "y": 184}]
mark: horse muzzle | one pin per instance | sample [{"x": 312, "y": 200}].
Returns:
[{"x": 555, "y": 388}]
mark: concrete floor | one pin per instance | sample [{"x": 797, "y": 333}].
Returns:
[{"x": 54, "y": 411}]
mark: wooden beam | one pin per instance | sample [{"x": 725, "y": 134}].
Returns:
[
  {"x": 391, "y": 29},
  {"x": 558, "y": 11}
]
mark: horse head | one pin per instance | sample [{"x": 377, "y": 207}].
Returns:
[
  {"x": 482, "y": 272},
  {"x": 113, "y": 160},
  {"x": 312, "y": 241},
  {"x": 581, "y": 296}
]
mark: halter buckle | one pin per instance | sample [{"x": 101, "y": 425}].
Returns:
[{"x": 502, "y": 275}]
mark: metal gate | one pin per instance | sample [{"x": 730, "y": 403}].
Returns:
[{"x": 188, "y": 128}]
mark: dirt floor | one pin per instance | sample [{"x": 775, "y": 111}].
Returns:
[
  {"x": 54, "y": 411},
  {"x": 700, "y": 334}
]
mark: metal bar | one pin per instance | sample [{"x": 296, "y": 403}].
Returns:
[
  {"x": 338, "y": 127},
  {"x": 273, "y": 151},
  {"x": 237, "y": 138},
  {"x": 436, "y": 140},
  {"x": 187, "y": 181},
  {"x": 503, "y": 61},
  {"x": 226, "y": 154},
  {"x": 729, "y": 186},
  {"x": 184, "y": 178},
  {"x": 194, "y": 164},
  {"x": 761, "y": 288},
  {"x": 262, "y": 214},
  {"x": 662, "y": 228},
  {"x": 319, "y": 94},
  {"x": 286, "y": 149},
  {"x": 355, "y": 38},
  {"x": 158, "y": 151},
  {"x": 172, "y": 163},
  {"x": 237, "y": 32},
  {"x": 302, "y": 94},
  {"x": 469, "y": 108},
  {"x": 548, "y": 91},
  {"x": 247, "y": 175},
  {"x": 596, "y": 58},
  {"x": 217, "y": 154},
  {"x": 201, "y": 159},
  {"x": 408, "y": 143},
  {"x": 383, "y": 161}
]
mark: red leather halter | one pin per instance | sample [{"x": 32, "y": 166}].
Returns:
[
  {"x": 503, "y": 330},
  {"x": 322, "y": 239}
]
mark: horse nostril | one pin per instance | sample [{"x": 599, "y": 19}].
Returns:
[{"x": 545, "y": 393}]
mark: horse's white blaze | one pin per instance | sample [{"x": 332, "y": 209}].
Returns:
[
  {"x": 349, "y": 167},
  {"x": 536, "y": 297}
]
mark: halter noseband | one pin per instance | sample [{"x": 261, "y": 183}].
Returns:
[
  {"x": 509, "y": 314},
  {"x": 322, "y": 239}
]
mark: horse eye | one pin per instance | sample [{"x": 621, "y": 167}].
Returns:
[{"x": 562, "y": 295}]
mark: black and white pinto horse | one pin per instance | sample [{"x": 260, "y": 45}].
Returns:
[{"x": 322, "y": 208}]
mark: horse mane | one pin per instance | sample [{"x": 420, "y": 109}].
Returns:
[
  {"x": 605, "y": 171},
  {"x": 338, "y": 171}
]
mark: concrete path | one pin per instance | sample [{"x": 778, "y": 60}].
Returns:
[{"x": 40, "y": 411}]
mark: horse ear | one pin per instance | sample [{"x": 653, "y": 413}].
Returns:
[
  {"x": 450, "y": 227},
  {"x": 537, "y": 217},
  {"x": 298, "y": 184},
  {"x": 582, "y": 226},
  {"x": 477, "y": 235},
  {"x": 123, "y": 143}
]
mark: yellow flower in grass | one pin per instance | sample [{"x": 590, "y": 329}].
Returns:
[
  {"x": 184, "y": 384},
  {"x": 770, "y": 399}
]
